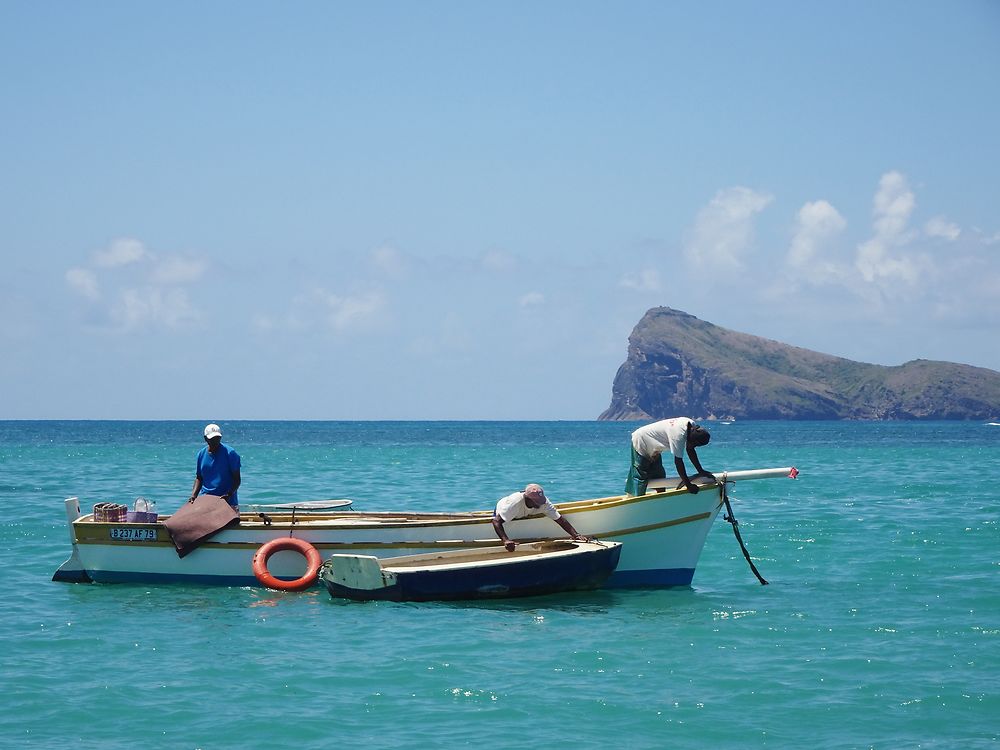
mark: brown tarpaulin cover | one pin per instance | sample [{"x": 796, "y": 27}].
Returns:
[{"x": 194, "y": 523}]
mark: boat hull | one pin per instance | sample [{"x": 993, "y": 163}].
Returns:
[
  {"x": 662, "y": 534},
  {"x": 542, "y": 568}
]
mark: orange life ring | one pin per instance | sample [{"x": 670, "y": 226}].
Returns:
[{"x": 263, "y": 554}]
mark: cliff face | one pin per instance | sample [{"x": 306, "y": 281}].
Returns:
[{"x": 680, "y": 365}]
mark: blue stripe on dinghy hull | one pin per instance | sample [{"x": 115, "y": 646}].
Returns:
[{"x": 618, "y": 579}]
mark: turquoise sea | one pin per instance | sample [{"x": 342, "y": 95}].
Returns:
[{"x": 880, "y": 627}]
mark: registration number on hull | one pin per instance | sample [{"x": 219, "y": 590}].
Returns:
[{"x": 125, "y": 534}]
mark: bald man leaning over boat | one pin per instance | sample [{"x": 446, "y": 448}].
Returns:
[
  {"x": 677, "y": 436},
  {"x": 525, "y": 503}
]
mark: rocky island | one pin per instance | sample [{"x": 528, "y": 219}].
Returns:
[{"x": 680, "y": 365}]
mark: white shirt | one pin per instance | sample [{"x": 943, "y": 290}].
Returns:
[
  {"x": 667, "y": 434},
  {"x": 513, "y": 506}
]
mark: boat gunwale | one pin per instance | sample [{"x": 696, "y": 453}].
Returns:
[
  {"x": 398, "y": 544},
  {"x": 494, "y": 555},
  {"x": 388, "y": 519}
]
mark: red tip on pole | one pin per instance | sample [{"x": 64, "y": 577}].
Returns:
[{"x": 793, "y": 473}]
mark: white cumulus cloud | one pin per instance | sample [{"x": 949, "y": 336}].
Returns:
[
  {"x": 389, "y": 261},
  {"x": 724, "y": 229},
  {"x": 939, "y": 226},
  {"x": 498, "y": 261},
  {"x": 815, "y": 224},
  {"x": 121, "y": 252},
  {"x": 141, "y": 307},
  {"x": 647, "y": 280},
  {"x": 878, "y": 258},
  {"x": 84, "y": 281},
  {"x": 345, "y": 312},
  {"x": 129, "y": 287},
  {"x": 894, "y": 203},
  {"x": 531, "y": 299}
]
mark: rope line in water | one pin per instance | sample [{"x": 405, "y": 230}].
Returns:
[{"x": 736, "y": 530}]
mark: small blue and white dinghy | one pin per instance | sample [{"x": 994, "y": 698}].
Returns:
[{"x": 533, "y": 568}]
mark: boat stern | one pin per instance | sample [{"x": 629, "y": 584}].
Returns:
[
  {"x": 358, "y": 577},
  {"x": 72, "y": 571}
]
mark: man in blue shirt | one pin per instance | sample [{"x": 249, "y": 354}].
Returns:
[{"x": 218, "y": 469}]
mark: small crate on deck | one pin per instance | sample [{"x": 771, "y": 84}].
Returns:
[{"x": 110, "y": 512}]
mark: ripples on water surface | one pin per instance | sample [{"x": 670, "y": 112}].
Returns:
[{"x": 881, "y": 626}]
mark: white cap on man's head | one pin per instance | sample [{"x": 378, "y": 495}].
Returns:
[
  {"x": 212, "y": 430},
  {"x": 535, "y": 492}
]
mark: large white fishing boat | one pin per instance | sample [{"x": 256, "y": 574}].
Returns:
[{"x": 662, "y": 535}]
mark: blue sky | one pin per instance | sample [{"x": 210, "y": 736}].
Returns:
[{"x": 248, "y": 210}]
